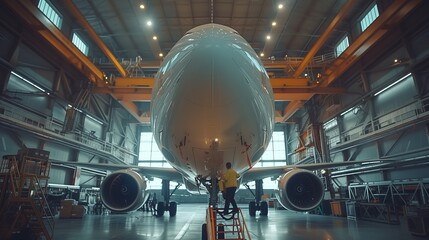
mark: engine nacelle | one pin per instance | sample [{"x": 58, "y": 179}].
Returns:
[
  {"x": 300, "y": 190},
  {"x": 123, "y": 191}
]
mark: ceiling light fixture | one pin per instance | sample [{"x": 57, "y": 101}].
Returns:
[
  {"x": 273, "y": 23},
  {"x": 27, "y": 81},
  {"x": 149, "y": 23},
  {"x": 268, "y": 37},
  {"x": 154, "y": 37},
  {"x": 161, "y": 54},
  {"x": 280, "y": 6},
  {"x": 393, "y": 84},
  {"x": 142, "y": 6},
  {"x": 262, "y": 54}
]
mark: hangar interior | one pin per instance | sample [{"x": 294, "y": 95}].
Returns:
[{"x": 349, "y": 82}]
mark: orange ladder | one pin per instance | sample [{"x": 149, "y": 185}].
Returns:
[
  {"x": 23, "y": 189},
  {"x": 226, "y": 227}
]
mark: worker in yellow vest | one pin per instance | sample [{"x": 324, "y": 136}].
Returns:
[{"x": 230, "y": 184}]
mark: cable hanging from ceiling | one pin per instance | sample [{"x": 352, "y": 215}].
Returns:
[{"x": 211, "y": 11}]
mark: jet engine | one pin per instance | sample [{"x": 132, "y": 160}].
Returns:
[
  {"x": 123, "y": 191},
  {"x": 300, "y": 190}
]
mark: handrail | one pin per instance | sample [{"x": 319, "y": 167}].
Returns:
[
  {"x": 238, "y": 224},
  {"x": 244, "y": 225},
  {"x": 409, "y": 112},
  {"x": 14, "y": 113},
  {"x": 211, "y": 222},
  {"x": 43, "y": 204},
  {"x": 14, "y": 176}
]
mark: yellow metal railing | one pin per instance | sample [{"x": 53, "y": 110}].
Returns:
[
  {"x": 26, "y": 183},
  {"x": 218, "y": 224}
]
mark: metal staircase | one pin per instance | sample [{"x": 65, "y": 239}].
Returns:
[
  {"x": 24, "y": 209},
  {"x": 225, "y": 227}
]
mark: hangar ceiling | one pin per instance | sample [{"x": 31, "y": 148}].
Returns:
[{"x": 298, "y": 54}]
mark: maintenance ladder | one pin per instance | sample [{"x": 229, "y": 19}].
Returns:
[
  {"x": 226, "y": 227},
  {"x": 23, "y": 205}
]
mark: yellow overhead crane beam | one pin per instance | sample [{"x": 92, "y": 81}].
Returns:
[
  {"x": 41, "y": 25},
  {"x": 81, "y": 19},
  {"x": 126, "y": 89},
  {"x": 388, "y": 19},
  {"x": 285, "y": 89}
]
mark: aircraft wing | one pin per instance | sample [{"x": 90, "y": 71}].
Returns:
[
  {"x": 261, "y": 173},
  {"x": 149, "y": 172}
]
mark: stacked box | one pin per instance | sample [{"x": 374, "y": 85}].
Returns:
[
  {"x": 67, "y": 207},
  {"x": 78, "y": 211},
  {"x": 338, "y": 208}
]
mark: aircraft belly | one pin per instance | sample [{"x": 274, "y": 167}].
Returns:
[{"x": 218, "y": 109}]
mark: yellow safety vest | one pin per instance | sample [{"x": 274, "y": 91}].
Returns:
[{"x": 230, "y": 178}]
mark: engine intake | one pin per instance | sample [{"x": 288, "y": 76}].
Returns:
[
  {"x": 123, "y": 191},
  {"x": 300, "y": 190}
]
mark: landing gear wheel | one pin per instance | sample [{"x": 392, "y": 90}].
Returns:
[
  {"x": 252, "y": 208},
  {"x": 221, "y": 231},
  {"x": 160, "y": 209},
  {"x": 204, "y": 231},
  {"x": 264, "y": 208},
  {"x": 173, "y": 209}
]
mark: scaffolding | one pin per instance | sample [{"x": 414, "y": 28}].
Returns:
[
  {"x": 225, "y": 227},
  {"x": 392, "y": 192},
  {"x": 24, "y": 209},
  {"x": 385, "y": 201}
]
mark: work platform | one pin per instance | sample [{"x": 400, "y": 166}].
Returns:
[
  {"x": 224, "y": 226},
  {"x": 24, "y": 210}
]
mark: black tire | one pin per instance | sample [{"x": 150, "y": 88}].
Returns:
[
  {"x": 252, "y": 208},
  {"x": 220, "y": 231},
  {"x": 173, "y": 209},
  {"x": 264, "y": 208},
  {"x": 160, "y": 209},
  {"x": 204, "y": 231}
]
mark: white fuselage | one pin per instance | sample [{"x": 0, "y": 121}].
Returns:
[{"x": 212, "y": 103}]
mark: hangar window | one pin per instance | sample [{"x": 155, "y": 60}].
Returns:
[
  {"x": 150, "y": 155},
  {"x": 77, "y": 41},
  {"x": 342, "y": 46},
  {"x": 275, "y": 155},
  {"x": 50, "y": 12},
  {"x": 369, "y": 18}
]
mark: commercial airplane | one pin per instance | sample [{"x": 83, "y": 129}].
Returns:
[{"x": 212, "y": 103}]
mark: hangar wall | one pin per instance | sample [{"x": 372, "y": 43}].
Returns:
[
  {"x": 365, "y": 123},
  {"x": 57, "y": 111},
  {"x": 45, "y": 121}
]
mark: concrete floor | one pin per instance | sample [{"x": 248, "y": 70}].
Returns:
[{"x": 279, "y": 224}]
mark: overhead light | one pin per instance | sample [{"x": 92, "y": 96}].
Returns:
[
  {"x": 154, "y": 37},
  {"x": 393, "y": 84},
  {"x": 94, "y": 119},
  {"x": 142, "y": 6},
  {"x": 25, "y": 80},
  {"x": 268, "y": 37},
  {"x": 273, "y": 23},
  {"x": 280, "y": 6},
  {"x": 345, "y": 112},
  {"x": 262, "y": 54},
  {"x": 161, "y": 54},
  {"x": 70, "y": 106},
  {"x": 149, "y": 23}
]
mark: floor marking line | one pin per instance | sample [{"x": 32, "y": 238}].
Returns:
[{"x": 184, "y": 228}]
